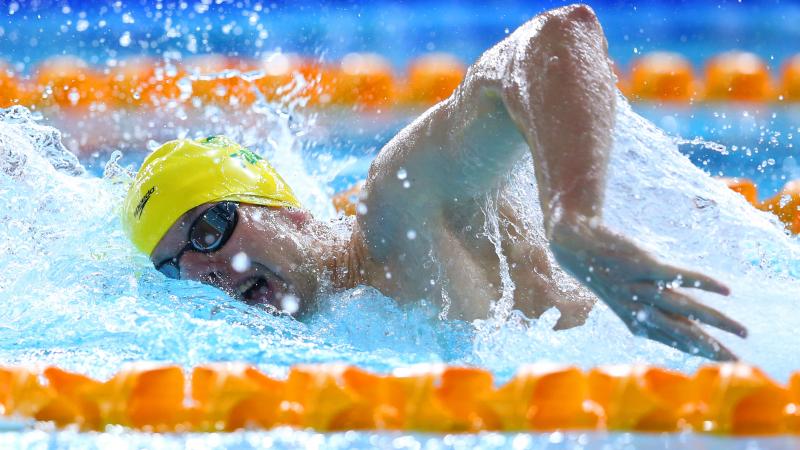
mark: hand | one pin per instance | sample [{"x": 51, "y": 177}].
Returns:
[{"x": 641, "y": 290}]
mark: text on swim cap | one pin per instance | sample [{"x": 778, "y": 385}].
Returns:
[{"x": 145, "y": 198}]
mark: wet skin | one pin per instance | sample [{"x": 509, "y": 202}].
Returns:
[
  {"x": 547, "y": 90},
  {"x": 264, "y": 260}
]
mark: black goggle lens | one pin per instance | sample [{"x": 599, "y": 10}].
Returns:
[
  {"x": 211, "y": 230},
  {"x": 207, "y": 234},
  {"x": 170, "y": 268}
]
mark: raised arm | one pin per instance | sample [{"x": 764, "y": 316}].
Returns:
[
  {"x": 546, "y": 89},
  {"x": 549, "y": 89}
]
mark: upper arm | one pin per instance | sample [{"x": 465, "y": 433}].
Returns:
[{"x": 458, "y": 148}]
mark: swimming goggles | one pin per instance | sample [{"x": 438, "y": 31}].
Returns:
[{"x": 208, "y": 233}]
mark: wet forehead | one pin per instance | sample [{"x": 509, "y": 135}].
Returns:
[{"x": 176, "y": 237}]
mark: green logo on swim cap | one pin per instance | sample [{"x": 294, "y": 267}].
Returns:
[
  {"x": 247, "y": 155},
  {"x": 241, "y": 152},
  {"x": 214, "y": 139}
]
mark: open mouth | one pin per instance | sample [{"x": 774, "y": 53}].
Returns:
[{"x": 256, "y": 291}]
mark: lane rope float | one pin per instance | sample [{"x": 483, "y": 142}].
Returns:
[{"x": 725, "y": 399}]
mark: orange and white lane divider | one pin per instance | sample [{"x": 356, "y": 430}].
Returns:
[
  {"x": 364, "y": 80},
  {"x": 730, "y": 399},
  {"x": 734, "y": 76}
]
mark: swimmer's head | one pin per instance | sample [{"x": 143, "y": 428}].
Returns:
[
  {"x": 184, "y": 173},
  {"x": 197, "y": 208}
]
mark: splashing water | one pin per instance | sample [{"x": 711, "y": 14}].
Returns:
[
  {"x": 673, "y": 209},
  {"x": 76, "y": 294}
]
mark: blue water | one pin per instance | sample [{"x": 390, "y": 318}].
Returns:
[
  {"x": 76, "y": 294},
  {"x": 758, "y": 140},
  {"x": 285, "y": 438},
  {"x": 400, "y": 31}
]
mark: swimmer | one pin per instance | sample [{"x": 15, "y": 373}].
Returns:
[{"x": 213, "y": 211}]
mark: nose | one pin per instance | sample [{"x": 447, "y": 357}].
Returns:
[{"x": 208, "y": 268}]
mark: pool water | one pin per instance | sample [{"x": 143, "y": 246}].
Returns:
[
  {"x": 77, "y": 295},
  {"x": 286, "y": 438}
]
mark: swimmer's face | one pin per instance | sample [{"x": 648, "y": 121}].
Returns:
[{"x": 264, "y": 261}]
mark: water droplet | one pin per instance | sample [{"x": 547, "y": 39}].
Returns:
[
  {"x": 73, "y": 97},
  {"x": 402, "y": 174},
  {"x": 361, "y": 209},
  {"x": 290, "y": 304},
  {"x": 411, "y": 235},
  {"x": 406, "y": 184},
  {"x": 125, "y": 39},
  {"x": 240, "y": 262}
]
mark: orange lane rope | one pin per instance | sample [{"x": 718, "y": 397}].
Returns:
[
  {"x": 721, "y": 399},
  {"x": 785, "y": 204},
  {"x": 364, "y": 80}
]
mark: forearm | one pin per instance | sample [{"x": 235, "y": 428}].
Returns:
[
  {"x": 565, "y": 109},
  {"x": 549, "y": 85}
]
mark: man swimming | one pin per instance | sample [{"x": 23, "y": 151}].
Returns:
[{"x": 211, "y": 210}]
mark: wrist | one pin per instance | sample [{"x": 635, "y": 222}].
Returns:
[{"x": 572, "y": 222}]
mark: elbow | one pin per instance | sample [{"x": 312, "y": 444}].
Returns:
[
  {"x": 571, "y": 23},
  {"x": 574, "y": 32},
  {"x": 571, "y": 14}
]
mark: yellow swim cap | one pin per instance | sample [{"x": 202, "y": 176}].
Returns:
[{"x": 185, "y": 173}]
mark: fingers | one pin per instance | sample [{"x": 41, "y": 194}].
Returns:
[
  {"x": 698, "y": 280},
  {"x": 680, "y": 304},
  {"x": 688, "y": 278},
  {"x": 688, "y": 337},
  {"x": 670, "y": 329},
  {"x": 681, "y": 333}
]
